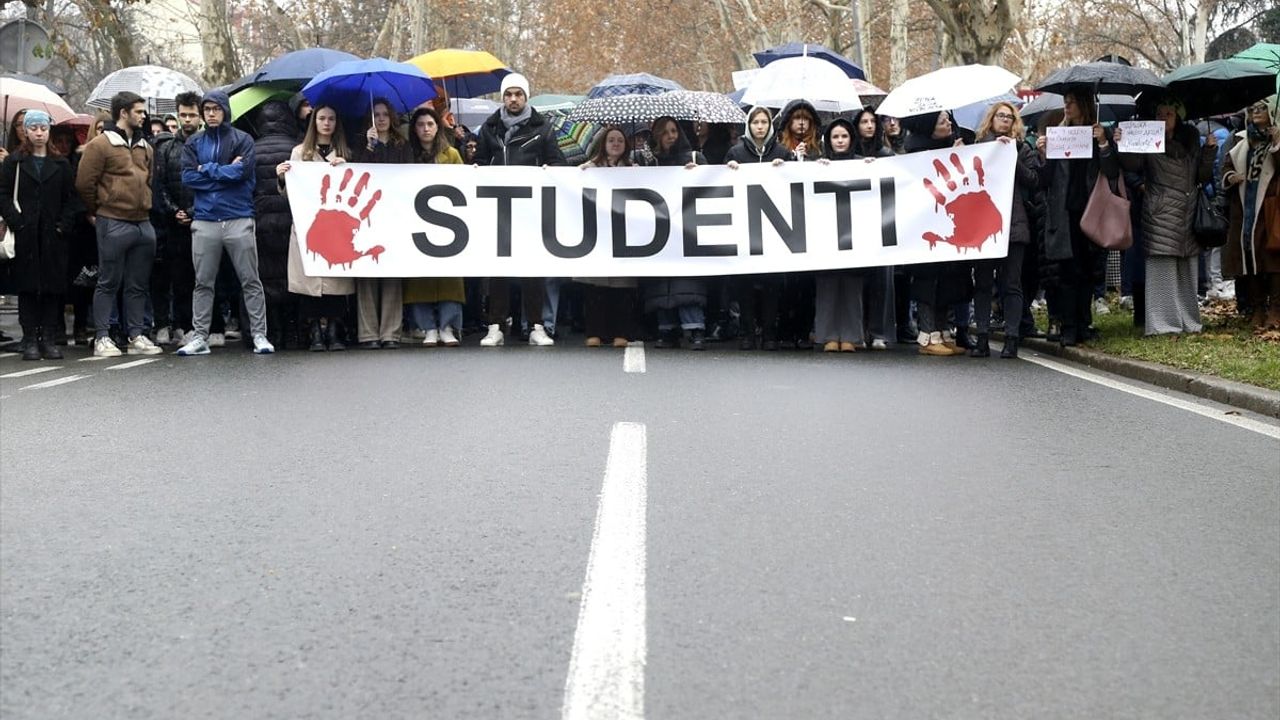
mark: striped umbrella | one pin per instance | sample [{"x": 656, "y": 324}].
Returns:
[
  {"x": 574, "y": 138},
  {"x": 157, "y": 85},
  {"x": 633, "y": 84}
]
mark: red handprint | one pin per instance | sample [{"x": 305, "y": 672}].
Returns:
[
  {"x": 332, "y": 233},
  {"x": 974, "y": 217}
]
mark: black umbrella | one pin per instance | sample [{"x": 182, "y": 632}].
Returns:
[
  {"x": 1111, "y": 108},
  {"x": 1220, "y": 86},
  {"x": 1102, "y": 77}
]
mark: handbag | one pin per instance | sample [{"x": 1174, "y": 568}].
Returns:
[
  {"x": 9, "y": 244},
  {"x": 1209, "y": 225},
  {"x": 1106, "y": 217}
]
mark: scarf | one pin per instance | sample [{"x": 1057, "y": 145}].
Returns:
[
  {"x": 513, "y": 122},
  {"x": 1257, "y": 157}
]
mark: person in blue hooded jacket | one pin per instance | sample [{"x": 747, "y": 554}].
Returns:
[{"x": 218, "y": 167}]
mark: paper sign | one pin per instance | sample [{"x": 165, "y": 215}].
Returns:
[
  {"x": 1141, "y": 136},
  {"x": 1067, "y": 143}
]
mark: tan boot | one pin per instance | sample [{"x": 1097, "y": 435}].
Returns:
[
  {"x": 848, "y": 347},
  {"x": 831, "y": 346},
  {"x": 593, "y": 342},
  {"x": 931, "y": 344},
  {"x": 620, "y": 342}
]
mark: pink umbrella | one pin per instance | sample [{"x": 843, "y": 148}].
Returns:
[{"x": 21, "y": 95}]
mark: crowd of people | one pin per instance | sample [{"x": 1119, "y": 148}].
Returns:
[{"x": 131, "y": 226}]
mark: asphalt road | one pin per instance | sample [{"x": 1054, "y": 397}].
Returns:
[{"x": 406, "y": 535}]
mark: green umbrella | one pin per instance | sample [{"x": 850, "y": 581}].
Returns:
[
  {"x": 1267, "y": 55},
  {"x": 251, "y": 97},
  {"x": 1220, "y": 86},
  {"x": 548, "y": 102}
]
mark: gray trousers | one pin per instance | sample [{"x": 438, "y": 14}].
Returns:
[
  {"x": 126, "y": 251},
  {"x": 236, "y": 237},
  {"x": 838, "y": 303},
  {"x": 380, "y": 308}
]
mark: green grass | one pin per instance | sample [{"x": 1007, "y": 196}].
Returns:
[{"x": 1226, "y": 349}]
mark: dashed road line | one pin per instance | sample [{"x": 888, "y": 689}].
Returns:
[
  {"x": 606, "y": 669},
  {"x": 93, "y": 358},
  {"x": 32, "y": 371},
  {"x": 55, "y": 383},
  {"x": 633, "y": 358},
  {"x": 133, "y": 364}
]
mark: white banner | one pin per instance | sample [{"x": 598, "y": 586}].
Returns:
[{"x": 457, "y": 220}]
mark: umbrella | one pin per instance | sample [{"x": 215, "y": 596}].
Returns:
[
  {"x": 866, "y": 90},
  {"x": 710, "y": 107},
  {"x": 472, "y": 112},
  {"x": 621, "y": 109},
  {"x": 802, "y": 78},
  {"x": 574, "y": 138},
  {"x": 1102, "y": 77},
  {"x": 970, "y": 116},
  {"x": 78, "y": 120},
  {"x": 546, "y": 103},
  {"x": 636, "y": 84},
  {"x": 1220, "y": 86},
  {"x": 295, "y": 68},
  {"x": 947, "y": 89},
  {"x": 1111, "y": 108},
  {"x": 352, "y": 86},
  {"x": 157, "y": 85},
  {"x": 252, "y": 96},
  {"x": 1267, "y": 55},
  {"x": 822, "y": 52},
  {"x": 464, "y": 73},
  {"x": 36, "y": 80},
  {"x": 22, "y": 95}
]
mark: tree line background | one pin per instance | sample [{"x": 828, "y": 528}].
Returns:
[{"x": 567, "y": 47}]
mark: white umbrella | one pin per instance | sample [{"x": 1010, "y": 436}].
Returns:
[
  {"x": 821, "y": 83},
  {"x": 157, "y": 85},
  {"x": 947, "y": 89}
]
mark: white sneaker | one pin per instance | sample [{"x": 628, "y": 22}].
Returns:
[
  {"x": 1126, "y": 302},
  {"x": 262, "y": 346},
  {"x": 142, "y": 345},
  {"x": 431, "y": 338},
  {"x": 105, "y": 347},
  {"x": 447, "y": 338},
  {"x": 162, "y": 336},
  {"x": 231, "y": 334},
  {"x": 195, "y": 345},
  {"x": 1100, "y": 307},
  {"x": 878, "y": 344},
  {"x": 217, "y": 340},
  {"x": 540, "y": 337},
  {"x": 493, "y": 338}
]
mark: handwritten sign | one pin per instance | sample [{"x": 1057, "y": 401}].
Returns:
[
  {"x": 1142, "y": 136},
  {"x": 1069, "y": 143}
]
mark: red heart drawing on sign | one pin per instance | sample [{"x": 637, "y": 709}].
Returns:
[
  {"x": 1067, "y": 153},
  {"x": 1158, "y": 144}
]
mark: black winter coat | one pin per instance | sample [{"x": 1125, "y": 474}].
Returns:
[
  {"x": 747, "y": 152},
  {"x": 1026, "y": 179},
  {"x": 533, "y": 144},
  {"x": 277, "y": 132},
  {"x": 1062, "y": 236},
  {"x": 42, "y": 244},
  {"x": 172, "y": 195}
]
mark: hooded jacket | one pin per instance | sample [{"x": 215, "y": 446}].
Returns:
[
  {"x": 876, "y": 147},
  {"x": 784, "y": 119},
  {"x": 276, "y": 129},
  {"x": 746, "y": 151},
  {"x": 114, "y": 176},
  {"x": 831, "y": 154},
  {"x": 919, "y": 132},
  {"x": 681, "y": 153},
  {"x": 171, "y": 194},
  {"x": 223, "y": 189}
]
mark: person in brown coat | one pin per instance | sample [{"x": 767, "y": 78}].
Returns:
[
  {"x": 1251, "y": 178},
  {"x": 114, "y": 180}
]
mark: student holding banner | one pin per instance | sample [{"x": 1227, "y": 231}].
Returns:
[
  {"x": 1067, "y": 184},
  {"x": 435, "y": 304},
  {"x": 801, "y": 133},
  {"x": 838, "y": 315},
  {"x": 609, "y": 303},
  {"x": 1171, "y": 180},
  {"x": 878, "y": 292},
  {"x": 757, "y": 145}
]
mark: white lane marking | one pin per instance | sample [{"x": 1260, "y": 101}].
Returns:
[
  {"x": 133, "y": 364},
  {"x": 5, "y": 355},
  {"x": 1270, "y": 431},
  {"x": 54, "y": 383},
  {"x": 606, "y": 670},
  {"x": 633, "y": 358},
  {"x": 32, "y": 371},
  {"x": 93, "y": 358}
]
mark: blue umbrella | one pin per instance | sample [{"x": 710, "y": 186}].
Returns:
[
  {"x": 352, "y": 86},
  {"x": 634, "y": 84},
  {"x": 970, "y": 116},
  {"x": 795, "y": 49},
  {"x": 299, "y": 66}
]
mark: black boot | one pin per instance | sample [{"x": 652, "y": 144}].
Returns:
[
  {"x": 30, "y": 350},
  {"x": 49, "y": 346},
  {"x": 317, "y": 337},
  {"x": 697, "y": 339},
  {"x": 981, "y": 348},
  {"x": 1010, "y": 350},
  {"x": 335, "y": 335},
  {"x": 667, "y": 339}
]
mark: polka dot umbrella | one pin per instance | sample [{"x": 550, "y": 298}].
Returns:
[{"x": 622, "y": 109}]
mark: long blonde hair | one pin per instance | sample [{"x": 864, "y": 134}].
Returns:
[
  {"x": 339, "y": 140},
  {"x": 1017, "y": 132}
]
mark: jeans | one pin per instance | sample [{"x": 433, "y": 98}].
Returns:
[
  {"x": 126, "y": 251},
  {"x": 691, "y": 317},
  {"x": 436, "y": 316}
]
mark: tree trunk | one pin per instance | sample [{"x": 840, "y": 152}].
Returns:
[
  {"x": 105, "y": 18},
  {"x": 1200, "y": 35},
  {"x": 898, "y": 12},
  {"x": 221, "y": 66},
  {"x": 976, "y": 33},
  {"x": 382, "y": 46}
]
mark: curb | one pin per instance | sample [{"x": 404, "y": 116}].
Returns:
[{"x": 1227, "y": 392}]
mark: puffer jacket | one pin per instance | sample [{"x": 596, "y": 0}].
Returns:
[
  {"x": 276, "y": 129},
  {"x": 172, "y": 195},
  {"x": 223, "y": 188},
  {"x": 1171, "y": 181},
  {"x": 533, "y": 144}
]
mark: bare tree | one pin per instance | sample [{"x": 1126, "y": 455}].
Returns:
[
  {"x": 221, "y": 64},
  {"x": 976, "y": 30}
]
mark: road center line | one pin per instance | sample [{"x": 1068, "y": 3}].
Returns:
[
  {"x": 606, "y": 670},
  {"x": 133, "y": 364},
  {"x": 54, "y": 383},
  {"x": 32, "y": 371},
  {"x": 93, "y": 358},
  {"x": 8, "y": 355},
  {"x": 1239, "y": 421},
  {"x": 633, "y": 358}
]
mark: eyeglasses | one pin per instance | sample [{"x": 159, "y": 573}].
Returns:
[
  {"x": 1258, "y": 109},
  {"x": 1003, "y": 116}
]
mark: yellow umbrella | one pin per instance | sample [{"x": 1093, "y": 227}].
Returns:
[{"x": 465, "y": 73}]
